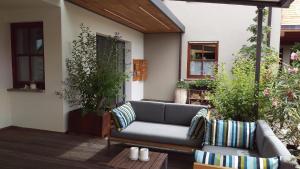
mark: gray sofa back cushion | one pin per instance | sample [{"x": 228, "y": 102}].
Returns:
[
  {"x": 181, "y": 114},
  {"x": 149, "y": 111},
  {"x": 262, "y": 130}
]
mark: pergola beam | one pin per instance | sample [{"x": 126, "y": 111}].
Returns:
[{"x": 258, "y": 56}]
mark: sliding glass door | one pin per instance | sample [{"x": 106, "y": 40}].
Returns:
[{"x": 104, "y": 44}]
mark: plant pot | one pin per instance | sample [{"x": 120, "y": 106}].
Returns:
[
  {"x": 90, "y": 123},
  {"x": 180, "y": 95}
]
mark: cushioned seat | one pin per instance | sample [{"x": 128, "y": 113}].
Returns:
[
  {"x": 229, "y": 151},
  {"x": 157, "y": 133}
]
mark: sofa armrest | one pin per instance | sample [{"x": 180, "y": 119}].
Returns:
[
  {"x": 205, "y": 166},
  {"x": 288, "y": 162}
]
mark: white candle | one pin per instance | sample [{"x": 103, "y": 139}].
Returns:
[
  {"x": 144, "y": 154},
  {"x": 134, "y": 153}
]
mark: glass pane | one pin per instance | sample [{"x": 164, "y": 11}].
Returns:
[
  {"x": 36, "y": 44},
  {"x": 209, "y": 51},
  {"x": 37, "y": 68},
  {"x": 22, "y": 68},
  {"x": 196, "y": 51},
  {"x": 21, "y": 36},
  {"x": 195, "y": 68},
  {"x": 208, "y": 68}
]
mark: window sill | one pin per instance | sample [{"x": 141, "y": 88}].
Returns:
[{"x": 26, "y": 90}]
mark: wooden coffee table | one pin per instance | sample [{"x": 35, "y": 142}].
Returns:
[{"x": 122, "y": 161}]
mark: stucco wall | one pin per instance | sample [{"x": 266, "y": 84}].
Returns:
[
  {"x": 162, "y": 54},
  {"x": 5, "y": 73},
  {"x": 73, "y": 16},
  {"x": 218, "y": 22},
  {"x": 34, "y": 110}
]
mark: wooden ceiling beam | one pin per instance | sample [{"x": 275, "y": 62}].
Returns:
[{"x": 146, "y": 16}]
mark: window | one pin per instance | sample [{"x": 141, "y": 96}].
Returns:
[
  {"x": 27, "y": 44},
  {"x": 202, "y": 57}
]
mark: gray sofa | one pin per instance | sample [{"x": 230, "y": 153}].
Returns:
[
  {"x": 166, "y": 125},
  {"x": 161, "y": 123},
  {"x": 266, "y": 145}
]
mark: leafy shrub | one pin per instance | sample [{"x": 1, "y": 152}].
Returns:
[
  {"x": 93, "y": 81},
  {"x": 202, "y": 84},
  {"x": 182, "y": 85},
  {"x": 284, "y": 98}
]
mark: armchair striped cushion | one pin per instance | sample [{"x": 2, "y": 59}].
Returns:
[
  {"x": 237, "y": 162},
  {"x": 229, "y": 133}
]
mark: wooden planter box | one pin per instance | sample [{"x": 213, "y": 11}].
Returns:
[{"x": 90, "y": 123}]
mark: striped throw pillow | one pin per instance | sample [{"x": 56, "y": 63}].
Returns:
[
  {"x": 198, "y": 124},
  {"x": 228, "y": 133},
  {"x": 237, "y": 162},
  {"x": 123, "y": 116}
]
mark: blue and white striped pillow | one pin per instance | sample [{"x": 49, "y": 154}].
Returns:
[
  {"x": 123, "y": 115},
  {"x": 229, "y": 133},
  {"x": 237, "y": 162}
]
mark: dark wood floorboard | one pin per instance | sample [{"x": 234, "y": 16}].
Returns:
[{"x": 35, "y": 149}]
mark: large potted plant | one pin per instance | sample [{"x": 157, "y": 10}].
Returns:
[{"x": 92, "y": 84}]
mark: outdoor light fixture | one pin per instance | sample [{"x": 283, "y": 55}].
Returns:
[
  {"x": 127, "y": 20},
  {"x": 148, "y": 13}
]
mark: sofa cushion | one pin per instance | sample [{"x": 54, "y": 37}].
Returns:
[
  {"x": 181, "y": 114},
  {"x": 230, "y": 151},
  {"x": 149, "y": 111},
  {"x": 262, "y": 130},
  {"x": 123, "y": 116},
  {"x": 237, "y": 162},
  {"x": 157, "y": 133},
  {"x": 198, "y": 125},
  {"x": 230, "y": 133}
]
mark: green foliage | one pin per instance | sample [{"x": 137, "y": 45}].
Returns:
[
  {"x": 249, "y": 50},
  {"x": 295, "y": 47},
  {"x": 284, "y": 98},
  {"x": 182, "y": 85},
  {"x": 202, "y": 83},
  {"x": 233, "y": 96},
  {"x": 93, "y": 80}
]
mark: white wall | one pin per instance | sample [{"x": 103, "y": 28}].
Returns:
[
  {"x": 33, "y": 110},
  {"x": 218, "y": 22},
  {"x": 5, "y": 73},
  {"x": 162, "y": 54},
  {"x": 73, "y": 16}
]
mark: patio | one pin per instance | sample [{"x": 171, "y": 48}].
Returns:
[
  {"x": 32, "y": 149},
  {"x": 86, "y": 39}
]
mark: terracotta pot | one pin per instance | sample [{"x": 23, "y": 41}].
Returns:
[
  {"x": 180, "y": 95},
  {"x": 90, "y": 123}
]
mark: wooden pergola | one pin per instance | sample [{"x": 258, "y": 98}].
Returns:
[{"x": 261, "y": 4}]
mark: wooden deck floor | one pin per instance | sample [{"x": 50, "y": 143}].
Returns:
[{"x": 34, "y": 149}]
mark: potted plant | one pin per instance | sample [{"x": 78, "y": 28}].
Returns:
[
  {"x": 202, "y": 84},
  {"x": 92, "y": 84},
  {"x": 181, "y": 92}
]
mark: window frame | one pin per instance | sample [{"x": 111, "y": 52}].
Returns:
[
  {"x": 26, "y": 25},
  {"x": 202, "y": 76}
]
